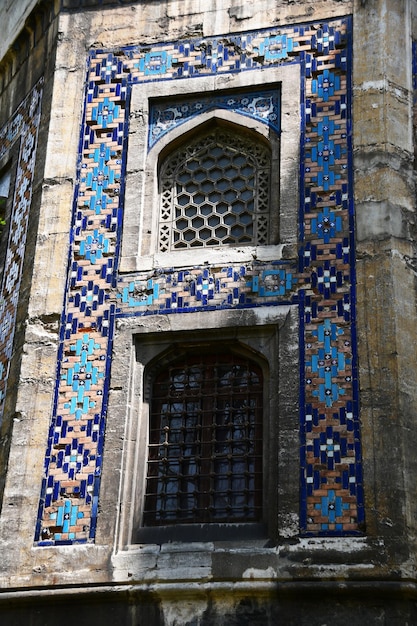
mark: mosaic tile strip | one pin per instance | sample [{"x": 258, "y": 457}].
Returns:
[
  {"x": 22, "y": 127},
  {"x": 261, "y": 105},
  {"x": 332, "y": 500},
  {"x": 203, "y": 288}
]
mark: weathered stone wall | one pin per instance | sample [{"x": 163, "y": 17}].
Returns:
[
  {"x": 385, "y": 235},
  {"x": 296, "y": 606},
  {"x": 12, "y": 18},
  {"x": 354, "y": 574}
]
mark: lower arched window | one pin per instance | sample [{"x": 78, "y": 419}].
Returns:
[{"x": 205, "y": 441}]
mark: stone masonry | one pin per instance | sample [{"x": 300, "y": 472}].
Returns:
[{"x": 94, "y": 95}]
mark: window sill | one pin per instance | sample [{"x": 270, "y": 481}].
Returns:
[
  {"x": 210, "y": 256},
  {"x": 201, "y": 533}
]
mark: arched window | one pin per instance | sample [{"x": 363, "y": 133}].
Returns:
[
  {"x": 205, "y": 441},
  {"x": 215, "y": 190}
]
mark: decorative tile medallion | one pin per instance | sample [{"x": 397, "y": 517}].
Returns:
[{"x": 322, "y": 285}]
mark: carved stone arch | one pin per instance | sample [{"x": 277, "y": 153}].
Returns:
[
  {"x": 179, "y": 345},
  {"x": 250, "y": 218},
  {"x": 198, "y": 124}
]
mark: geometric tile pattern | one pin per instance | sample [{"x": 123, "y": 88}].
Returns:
[
  {"x": 23, "y": 128},
  {"x": 322, "y": 284},
  {"x": 198, "y": 288}
]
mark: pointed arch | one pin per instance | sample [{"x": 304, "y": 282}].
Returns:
[{"x": 214, "y": 189}]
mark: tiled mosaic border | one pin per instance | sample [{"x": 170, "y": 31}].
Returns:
[
  {"x": 23, "y": 128},
  {"x": 323, "y": 284}
]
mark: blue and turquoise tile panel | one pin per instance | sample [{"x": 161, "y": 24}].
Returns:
[
  {"x": 203, "y": 288},
  {"x": 320, "y": 281}
]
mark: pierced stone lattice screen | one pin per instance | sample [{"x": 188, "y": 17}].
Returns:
[{"x": 215, "y": 191}]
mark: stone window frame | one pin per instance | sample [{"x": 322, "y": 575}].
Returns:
[
  {"x": 271, "y": 336},
  {"x": 140, "y": 225}
]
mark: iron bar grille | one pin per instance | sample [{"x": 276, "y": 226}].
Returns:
[{"x": 205, "y": 450}]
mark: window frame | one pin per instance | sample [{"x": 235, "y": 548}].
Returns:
[
  {"x": 275, "y": 330},
  {"x": 270, "y": 332},
  {"x": 140, "y": 225},
  {"x": 160, "y": 350}
]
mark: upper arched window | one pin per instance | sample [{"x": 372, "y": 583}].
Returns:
[{"x": 215, "y": 190}]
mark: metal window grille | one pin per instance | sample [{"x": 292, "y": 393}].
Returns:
[
  {"x": 205, "y": 444},
  {"x": 215, "y": 191}
]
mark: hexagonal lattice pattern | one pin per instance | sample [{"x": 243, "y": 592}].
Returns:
[{"x": 215, "y": 191}]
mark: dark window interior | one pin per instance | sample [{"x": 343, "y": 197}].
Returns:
[{"x": 205, "y": 441}]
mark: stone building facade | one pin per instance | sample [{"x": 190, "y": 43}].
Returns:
[{"x": 207, "y": 337}]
